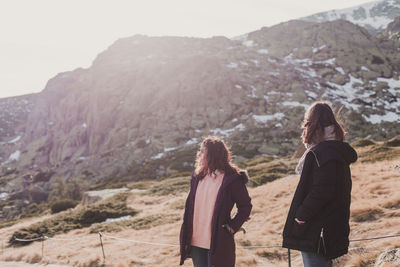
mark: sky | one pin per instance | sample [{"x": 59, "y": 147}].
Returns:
[{"x": 40, "y": 38}]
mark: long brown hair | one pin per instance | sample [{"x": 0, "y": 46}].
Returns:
[
  {"x": 318, "y": 116},
  {"x": 214, "y": 155}
]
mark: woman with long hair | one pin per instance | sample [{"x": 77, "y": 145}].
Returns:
[
  {"x": 207, "y": 232},
  {"x": 318, "y": 219}
]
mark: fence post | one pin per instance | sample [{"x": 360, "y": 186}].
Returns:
[
  {"x": 102, "y": 247},
  {"x": 43, "y": 246},
  {"x": 289, "y": 260}
]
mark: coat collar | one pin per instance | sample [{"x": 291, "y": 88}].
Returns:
[{"x": 230, "y": 178}]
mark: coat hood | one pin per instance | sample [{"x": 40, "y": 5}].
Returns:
[
  {"x": 230, "y": 178},
  {"x": 244, "y": 176},
  {"x": 334, "y": 150}
]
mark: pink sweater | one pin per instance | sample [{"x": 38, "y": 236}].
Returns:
[{"x": 206, "y": 195}]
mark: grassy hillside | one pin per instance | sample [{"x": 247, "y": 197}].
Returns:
[{"x": 375, "y": 212}]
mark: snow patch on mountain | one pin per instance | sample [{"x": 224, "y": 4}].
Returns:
[
  {"x": 315, "y": 50},
  {"x": 266, "y": 118},
  {"x": 377, "y": 14},
  {"x": 249, "y": 43},
  {"x": 228, "y": 132},
  {"x": 232, "y": 65},
  {"x": 16, "y": 139},
  {"x": 347, "y": 92},
  {"x": 192, "y": 141},
  {"x": 262, "y": 51},
  {"x": 294, "y": 104},
  {"x": 376, "y": 118}
]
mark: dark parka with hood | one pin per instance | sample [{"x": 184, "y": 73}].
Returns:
[
  {"x": 322, "y": 200},
  {"x": 222, "y": 248}
]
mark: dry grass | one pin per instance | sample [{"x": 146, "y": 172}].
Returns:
[
  {"x": 375, "y": 204},
  {"x": 35, "y": 258},
  {"x": 360, "y": 261},
  {"x": 378, "y": 152},
  {"x": 74, "y": 219},
  {"x": 363, "y": 142},
  {"x": 366, "y": 214},
  {"x": 146, "y": 222}
]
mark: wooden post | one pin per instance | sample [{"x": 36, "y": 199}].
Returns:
[
  {"x": 289, "y": 260},
  {"x": 102, "y": 247},
  {"x": 43, "y": 246}
]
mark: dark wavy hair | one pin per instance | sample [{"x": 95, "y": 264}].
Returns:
[
  {"x": 318, "y": 116},
  {"x": 214, "y": 155}
]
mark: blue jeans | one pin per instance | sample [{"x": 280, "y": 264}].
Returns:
[
  {"x": 200, "y": 257},
  {"x": 315, "y": 260}
]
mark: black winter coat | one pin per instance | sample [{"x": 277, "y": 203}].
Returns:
[
  {"x": 222, "y": 249},
  {"x": 322, "y": 200}
]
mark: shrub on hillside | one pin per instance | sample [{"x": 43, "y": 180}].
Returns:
[
  {"x": 137, "y": 224},
  {"x": 393, "y": 142},
  {"x": 272, "y": 255},
  {"x": 269, "y": 171},
  {"x": 142, "y": 185},
  {"x": 171, "y": 186},
  {"x": 363, "y": 142},
  {"x": 255, "y": 161},
  {"x": 366, "y": 214},
  {"x": 63, "y": 204},
  {"x": 43, "y": 176},
  {"x": 72, "y": 188},
  {"x": 264, "y": 178},
  {"x": 379, "y": 152},
  {"x": 178, "y": 161},
  {"x": 7, "y": 223},
  {"x": 34, "y": 210},
  {"x": 113, "y": 207}
]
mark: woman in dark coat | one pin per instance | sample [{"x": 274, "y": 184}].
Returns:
[
  {"x": 207, "y": 232},
  {"x": 318, "y": 219}
]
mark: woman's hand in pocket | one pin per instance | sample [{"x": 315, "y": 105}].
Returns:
[
  {"x": 299, "y": 221},
  {"x": 299, "y": 227},
  {"x": 228, "y": 228}
]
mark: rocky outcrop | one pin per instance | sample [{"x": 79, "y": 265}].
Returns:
[
  {"x": 14, "y": 113},
  {"x": 392, "y": 31},
  {"x": 389, "y": 258},
  {"x": 35, "y": 194}
]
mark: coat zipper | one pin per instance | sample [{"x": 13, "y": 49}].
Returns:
[{"x": 321, "y": 237}]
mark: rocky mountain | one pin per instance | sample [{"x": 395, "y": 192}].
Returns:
[
  {"x": 392, "y": 31},
  {"x": 374, "y": 16},
  {"x": 14, "y": 114},
  {"x": 142, "y": 107}
]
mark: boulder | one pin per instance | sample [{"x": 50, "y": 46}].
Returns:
[
  {"x": 38, "y": 195},
  {"x": 389, "y": 258}
]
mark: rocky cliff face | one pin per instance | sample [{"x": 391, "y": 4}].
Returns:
[
  {"x": 14, "y": 114},
  {"x": 392, "y": 31},
  {"x": 144, "y": 104},
  {"x": 374, "y": 16}
]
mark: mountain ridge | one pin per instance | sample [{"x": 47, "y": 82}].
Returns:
[{"x": 374, "y": 16}]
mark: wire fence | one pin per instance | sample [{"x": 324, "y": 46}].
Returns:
[{"x": 104, "y": 236}]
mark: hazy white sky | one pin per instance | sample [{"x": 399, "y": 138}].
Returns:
[{"x": 40, "y": 38}]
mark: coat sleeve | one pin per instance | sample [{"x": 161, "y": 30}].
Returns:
[
  {"x": 242, "y": 200},
  {"x": 323, "y": 190},
  {"x": 184, "y": 228}
]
